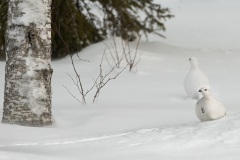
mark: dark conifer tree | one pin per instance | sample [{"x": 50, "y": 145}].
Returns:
[
  {"x": 3, "y": 21},
  {"x": 79, "y": 23},
  {"x": 72, "y": 27}
]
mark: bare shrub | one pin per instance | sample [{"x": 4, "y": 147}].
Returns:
[
  {"x": 98, "y": 83},
  {"x": 132, "y": 58},
  {"x": 115, "y": 57},
  {"x": 101, "y": 80}
]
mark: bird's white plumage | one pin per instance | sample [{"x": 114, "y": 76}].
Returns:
[
  {"x": 209, "y": 108},
  {"x": 195, "y": 80}
]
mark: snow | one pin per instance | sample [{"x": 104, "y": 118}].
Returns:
[
  {"x": 144, "y": 114},
  {"x": 204, "y": 23}
]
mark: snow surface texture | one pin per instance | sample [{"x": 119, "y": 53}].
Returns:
[
  {"x": 195, "y": 80},
  {"x": 145, "y": 114},
  {"x": 209, "y": 108},
  {"x": 204, "y": 23}
]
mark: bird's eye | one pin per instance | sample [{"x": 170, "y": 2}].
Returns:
[
  {"x": 190, "y": 59},
  {"x": 205, "y": 89}
]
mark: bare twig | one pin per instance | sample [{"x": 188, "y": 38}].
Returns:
[
  {"x": 72, "y": 94},
  {"x": 115, "y": 56},
  {"x": 130, "y": 58},
  {"x": 80, "y": 86},
  {"x": 112, "y": 55},
  {"x": 82, "y": 59},
  {"x": 101, "y": 80}
]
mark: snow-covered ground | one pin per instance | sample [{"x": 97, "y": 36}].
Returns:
[{"x": 145, "y": 114}]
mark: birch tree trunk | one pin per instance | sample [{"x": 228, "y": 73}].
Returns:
[{"x": 27, "y": 96}]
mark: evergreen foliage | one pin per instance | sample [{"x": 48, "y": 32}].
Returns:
[
  {"x": 3, "y": 22},
  {"x": 79, "y": 23},
  {"x": 122, "y": 18},
  {"x": 72, "y": 27}
]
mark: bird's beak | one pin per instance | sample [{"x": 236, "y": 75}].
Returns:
[{"x": 200, "y": 90}]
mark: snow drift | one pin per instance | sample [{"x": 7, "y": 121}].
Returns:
[{"x": 145, "y": 114}]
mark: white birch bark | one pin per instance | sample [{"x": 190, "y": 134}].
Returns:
[{"x": 27, "y": 95}]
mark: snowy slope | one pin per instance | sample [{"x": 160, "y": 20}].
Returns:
[
  {"x": 210, "y": 140},
  {"x": 204, "y": 23},
  {"x": 144, "y": 114}
]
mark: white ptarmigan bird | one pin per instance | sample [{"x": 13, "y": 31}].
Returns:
[
  {"x": 208, "y": 108},
  {"x": 195, "y": 80}
]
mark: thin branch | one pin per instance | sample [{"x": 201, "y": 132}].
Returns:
[
  {"x": 113, "y": 58},
  {"x": 106, "y": 57},
  {"x": 74, "y": 68},
  {"x": 76, "y": 83},
  {"x": 135, "y": 55},
  {"x": 82, "y": 59},
  {"x": 102, "y": 83},
  {"x": 72, "y": 94}
]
